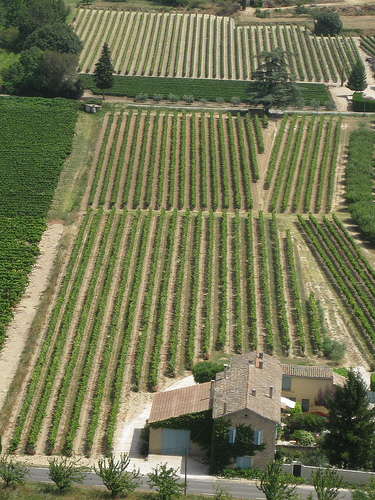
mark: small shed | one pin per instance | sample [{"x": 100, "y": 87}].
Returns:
[{"x": 92, "y": 108}]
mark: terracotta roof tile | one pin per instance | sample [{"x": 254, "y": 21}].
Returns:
[{"x": 180, "y": 401}]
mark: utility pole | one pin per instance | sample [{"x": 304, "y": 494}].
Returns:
[{"x": 186, "y": 455}]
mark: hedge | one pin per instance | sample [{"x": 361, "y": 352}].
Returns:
[
  {"x": 210, "y": 90},
  {"x": 360, "y": 104}
]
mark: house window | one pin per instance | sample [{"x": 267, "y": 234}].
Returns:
[
  {"x": 243, "y": 462},
  {"x": 286, "y": 384},
  {"x": 232, "y": 436},
  {"x": 305, "y": 404},
  {"x": 258, "y": 437}
]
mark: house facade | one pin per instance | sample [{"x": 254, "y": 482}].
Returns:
[{"x": 302, "y": 384}]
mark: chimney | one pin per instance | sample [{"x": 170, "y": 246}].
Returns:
[
  {"x": 212, "y": 392},
  {"x": 260, "y": 354},
  {"x": 225, "y": 371},
  {"x": 225, "y": 408},
  {"x": 271, "y": 391},
  {"x": 251, "y": 362},
  {"x": 253, "y": 392},
  {"x": 261, "y": 365}
]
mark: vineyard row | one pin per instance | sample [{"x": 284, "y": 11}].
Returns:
[{"x": 205, "y": 46}]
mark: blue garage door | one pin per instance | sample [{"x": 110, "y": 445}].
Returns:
[{"x": 173, "y": 442}]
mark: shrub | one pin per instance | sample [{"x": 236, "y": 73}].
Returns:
[
  {"x": 220, "y": 100},
  {"x": 173, "y": 97},
  {"x": 265, "y": 121},
  {"x": 166, "y": 482},
  {"x": 330, "y": 105},
  {"x": 309, "y": 422},
  {"x": 12, "y": 472},
  {"x": 333, "y": 349},
  {"x": 114, "y": 475},
  {"x": 372, "y": 386},
  {"x": 205, "y": 371},
  {"x": 235, "y": 101},
  {"x": 297, "y": 410},
  {"x": 141, "y": 97},
  {"x": 304, "y": 438},
  {"x": 158, "y": 97},
  {"x": 188, "y": 98},
  {"x": 65, "y": 471}
]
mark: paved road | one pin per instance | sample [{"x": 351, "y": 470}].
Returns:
[{"x": 202, "y": 485}]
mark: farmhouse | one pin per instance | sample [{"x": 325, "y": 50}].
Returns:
[{"x": 247, "y": 394}]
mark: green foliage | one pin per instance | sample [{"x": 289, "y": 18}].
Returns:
[
  {"x": 65, "y": 471},
  {"x": 341, "y": 371},
  {"x": 333, "y": 349},
  {"x": 350, "y": 440},
  {"x": 304, "y": 438},
  {"x": 361, "y": 104},
  {"x": 220, "y": 492},
  {"x": 327, "y": 23},
  {"x": 103, "y": 74},
  {"x": 205, "y": 371},
  {"x": 357, "y": 78},
  {"x": 309, "y": 422},
  {"x": 12, "y": 472},
  {"x": 252, "y": 473},
  {"x": 166, "y": 481},
  {"x": 223, "y": 452},
  {"x": 36, "y": 138},
  {"x": 359, "y": 176},
  {"x": 273, "y": 483},
  {"x": 372, "y": 386},
  {"x": 365, "y": 491},
  {"x": 273, "y": 85},
  {"x": 208, "y": 89},
  {"x": 58, "y": 37},
  {"x": 199, "y": 424},
  {"x": 326, "y": 483},
  {"x": 297, "y": 410},
  {"x": 115, "y": 476}
]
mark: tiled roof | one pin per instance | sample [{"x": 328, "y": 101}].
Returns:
[
  {"x": 180, "y": 401},
  {"x": 308, "y": 371},
  {"x": 248, "y": 386}
]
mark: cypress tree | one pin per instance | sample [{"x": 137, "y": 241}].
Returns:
[
  {"x": 357, "y": 78},
  {"x": 350, "y": 440},
  {"x": 103, "y": 75}
]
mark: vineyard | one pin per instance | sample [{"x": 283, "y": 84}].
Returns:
[
  {"x": 183, "y": 45},
  {"x": 201, "y": 160},
  {"x": 139, "y": 300},
  {"x": 33, "y": 147}
]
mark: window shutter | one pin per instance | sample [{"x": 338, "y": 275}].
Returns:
[{"x": 258, "y": 435}]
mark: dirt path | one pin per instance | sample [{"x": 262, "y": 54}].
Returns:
[
  {"x": 199, "y": 329},
  {"x": 261, "y": 335},
  {"x": 90, "y": 180},
  {"x": 103, "y": 171},
  {"x": 137, "y": 143},
  {"x": 105, "y": 406},
  {"x": 117, "y": 48},
  {"x": 93, "y": 39},
  {"x": 209, "y": 173},
  {"x": 156, "y": 20},
  {"x": 230, "y": 345},
  {"x": 65, "y": 359},
  {"x": 115, "y": 165},
  {"x": 125, "y": 166},
  {"x": 155, "y": 182},
  {"x": 24, "y": 312},
  {"x": 134, "y": 25},
  {"x": 188, "y": 163},
  {"x": 138, "y": 43}
]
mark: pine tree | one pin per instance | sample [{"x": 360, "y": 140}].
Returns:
[
  {"x": 357, "y": 79},
  {"x": 273, "y": 86},
  {"x": 103, "y": 74},
  {"x": 350, "y": 441}
]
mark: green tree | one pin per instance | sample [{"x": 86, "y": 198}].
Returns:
[
  {"x": 166, "y": 481},
  {"x": 12, "y": 472},
  {"x": 103, "y": 74},
  {"x": 326, "y": 483},
  {"x": 273, "y": 85},
  {"x": 205, "y": 371},
  {"x": 115, "y": 476},
  {"x": 357, "y": 79},
  {"x": 273, "y": 483},
  {"x": 65, "y": 471},
  {"x": 58, "y": 37},
  {"x": 327, "y": 23},
  {"x": 350, "y": 440},
  {"x": 365, "y": 491}
]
